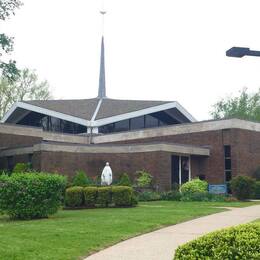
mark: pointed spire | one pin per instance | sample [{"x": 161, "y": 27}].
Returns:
[{"x": 102, "y": 76}]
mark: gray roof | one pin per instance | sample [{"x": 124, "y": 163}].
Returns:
[
  {"x": 113, "y": 107},
  {"x": 85, "y": 108},
  {"x": 81, "y": 108}
]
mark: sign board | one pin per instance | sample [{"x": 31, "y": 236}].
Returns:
[{"x": 218, "y": 189}]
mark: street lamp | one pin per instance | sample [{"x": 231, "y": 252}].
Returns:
[{"x": 239, "y": 52}]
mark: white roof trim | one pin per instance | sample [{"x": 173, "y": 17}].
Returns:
[
  {"x": 142, "y": 112},
  {"x": 46, "y": 112},
  {"x": 97, "y": 109},
  {"x": 100, "y": 122}
]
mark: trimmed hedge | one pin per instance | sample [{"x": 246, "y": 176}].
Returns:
[
  {"x": 119, "y": 196},
  {"x": 90, "y": 196},
  {"x": 74, "y": 196},
  {"x": 104, "y": 196},
  {"x": 122, "y": 196},
  {"x": 241, "y": 242},
  {"x": 31, "y": 195}
]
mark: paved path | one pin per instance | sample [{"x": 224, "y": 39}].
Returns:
[{"x": 160, "y": 244}]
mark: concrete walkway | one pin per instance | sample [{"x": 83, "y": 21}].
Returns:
[{"x": 161, "y": 244}]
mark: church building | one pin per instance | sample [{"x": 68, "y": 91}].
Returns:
[{"x": 160, "y": 137}]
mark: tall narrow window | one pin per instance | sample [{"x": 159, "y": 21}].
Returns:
[
  {"x": 227, "y": 158},
  {"x": 10, "y": 163}
]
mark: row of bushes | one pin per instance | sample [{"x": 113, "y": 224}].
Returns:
[
  {"x": 31, "y": 195},
  {"x": 178, "y": 196},
  {"x": 120, "y": 196},
  {"x": 241, "y": 242}
]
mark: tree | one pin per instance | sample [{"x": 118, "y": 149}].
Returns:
[
  {"x": 244, "y": 106},
  {"x": 8, "y": 68},
  {"x": 26, "y": 87}
]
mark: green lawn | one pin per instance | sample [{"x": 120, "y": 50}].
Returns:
[{"x": 74, "y": 234}]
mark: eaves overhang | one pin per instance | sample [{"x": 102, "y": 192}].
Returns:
[{"x": 100, "y": 122}]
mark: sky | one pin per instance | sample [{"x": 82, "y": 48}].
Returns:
[{"x": 155, "y": 49}]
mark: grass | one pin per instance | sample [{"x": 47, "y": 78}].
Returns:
[{"x": 74, "y": 234}]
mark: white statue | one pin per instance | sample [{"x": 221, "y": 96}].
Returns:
[{"x": 106, "y": 176}]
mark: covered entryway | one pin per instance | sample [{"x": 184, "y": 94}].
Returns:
[{"x": 181, "y": 169}]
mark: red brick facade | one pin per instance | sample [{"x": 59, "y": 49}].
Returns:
[{"x": 245, "y": 156}]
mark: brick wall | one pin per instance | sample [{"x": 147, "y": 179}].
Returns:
[{"x": 157, "y": 163}]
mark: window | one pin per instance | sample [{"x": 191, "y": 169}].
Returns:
[
  {"x": 227, "y": 160},
  {"x": 106, "y": 129},
  {"x": 137, "y": 123},
  {"x": 10, "y": 163},
  {"x": 122, "y": 126},
  {"x": 151, "y": 121},
  {"x": 30, "y": 158}
]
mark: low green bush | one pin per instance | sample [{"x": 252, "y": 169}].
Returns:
[
  {"x": 104, "y": 197},
  {"x": 148, "y": 196},
  {"x": 90, "y": 196},
  {"x": 241, "y": 242},
  {"x": 31, "y": 195},
  {"x": 122, "y": 196},
  {"x": 171, "y": 195},
  {"x": 74, "y": 197},
  {"x": 194, "y": 186},
  {"x": 203, "y": 196},
  {"x": 257, "y": 190},
  {"x": 124, "y": 180},
  {"x": 144, "y": 179},
  {"x": 243, "y": 187},
  {"x": 22, "y": 167},
  {"x": 81, "y": 179}
]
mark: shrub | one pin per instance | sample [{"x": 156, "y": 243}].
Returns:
[
  {"x": 81, "y": 179},
  {"x": 104, "y": 196},
  {"x": 149, "y": 196},
  {"x": 22, "y": 167},
  {"x": 241, "y": 242},
  {"x": 124, "y": 180},
  {"x": 242, "y": 187},
  {"x": 97, "y": 181},
  {"x": 74, "y": 196},
  {"x": 122, "y": 196},
  {"x": 144, "y": 180},
  {"x": 31, "y": 195},
  {"x": 90, "y": 196},
  {"x": 194, "y": 186},
  {"x": 5, "y": 172},
  {"x": 257, "y": 190},
  {"x": 175, "y": 187},
  {"x": 171, "y": 195},
  {"x": 203, "y": 196}
]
